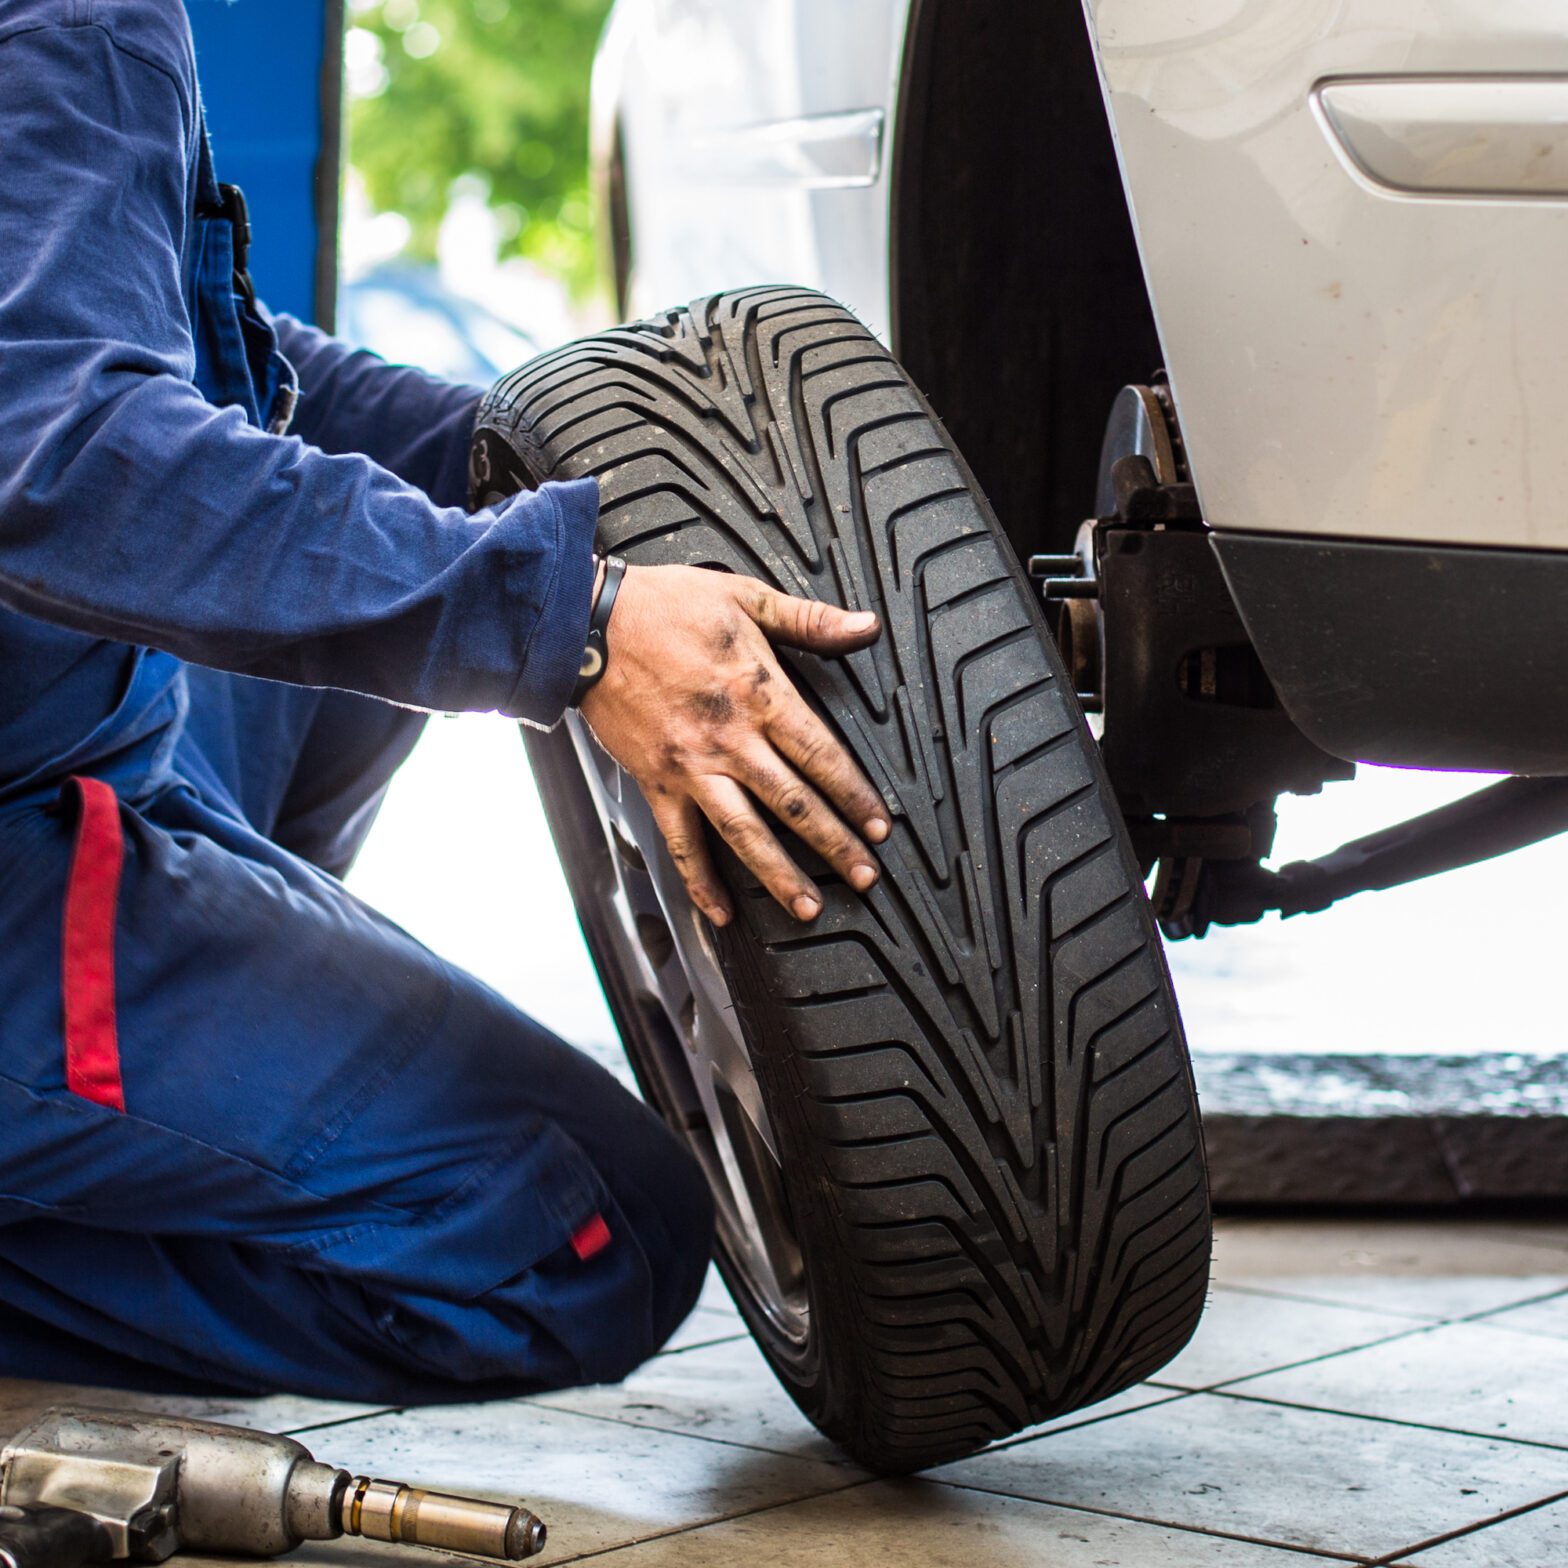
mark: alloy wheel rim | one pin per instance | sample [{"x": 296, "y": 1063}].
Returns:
[{"x": 702, "y": 1061}]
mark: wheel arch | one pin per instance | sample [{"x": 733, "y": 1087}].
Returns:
[{"x": 1018, "y": 301}]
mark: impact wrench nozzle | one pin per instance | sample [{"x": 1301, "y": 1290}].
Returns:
[
  {"x": 159, "y": 1484},
  {"x": 390, "y": 1511}
]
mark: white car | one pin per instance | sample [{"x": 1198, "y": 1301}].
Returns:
[{"x": 1347, "y": 245}]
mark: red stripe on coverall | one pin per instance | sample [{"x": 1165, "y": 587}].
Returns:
[{"x": 92, "y": 1046}]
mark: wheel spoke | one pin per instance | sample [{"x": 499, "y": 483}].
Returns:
[{"x": 669, "y": 947}]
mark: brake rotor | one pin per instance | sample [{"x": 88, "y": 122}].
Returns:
[{"x": 1142, "y": 423}]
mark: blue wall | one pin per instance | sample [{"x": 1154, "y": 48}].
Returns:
[{"x": 260, "y": 67}]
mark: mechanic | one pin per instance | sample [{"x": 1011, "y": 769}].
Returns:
[{"x": 253, "y": 1137}]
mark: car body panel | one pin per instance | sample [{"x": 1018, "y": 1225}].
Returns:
[
  {"x": 1352, "y": 358},
  {"x": 1351, "y": 218}
]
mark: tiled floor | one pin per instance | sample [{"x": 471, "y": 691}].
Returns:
[{"x": 1371, "y": 1393}]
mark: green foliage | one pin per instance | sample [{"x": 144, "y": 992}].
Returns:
[{"x": 491, "y": 88}]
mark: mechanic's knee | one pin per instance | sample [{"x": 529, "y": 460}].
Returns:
[
  {"x": 649, "y": 1291},
  {"x": 591, "y": 1311}
]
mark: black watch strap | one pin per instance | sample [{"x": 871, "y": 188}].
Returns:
[{"x": 596, "y": 652}]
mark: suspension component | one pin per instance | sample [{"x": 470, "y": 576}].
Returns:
[
  {"x": 1194, "y": 738},
  {"x": 1502, "y": 817}
]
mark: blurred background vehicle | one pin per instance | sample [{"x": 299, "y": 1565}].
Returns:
[{"x": 450, "y": 335}]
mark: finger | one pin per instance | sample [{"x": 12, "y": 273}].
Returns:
[
  {"x": 730, "y": 810},
  {"x": 681, "y": 824},
  {"x": 795, "y": 803},
  {"x": 825, "y": 761},
  {"x": 808, "y": 623}
]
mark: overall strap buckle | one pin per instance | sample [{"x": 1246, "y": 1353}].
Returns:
[{"x": 232, "y": 207}]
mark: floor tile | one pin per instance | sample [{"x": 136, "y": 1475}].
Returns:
[
  {"x": 1538, "y": 1539},
  {"x": 897, "y": 1524},
  {"x": 1469, "y": 1377},
  {"x": 1549, "y": 1317},
  {"x": 596, "y": 1484},
  {"x": 729, "y": 1392},
  {"x": 1415, "y": 1268},
  {"x": 1244, "y": 1333},
  {"x": 21, "y": 1399},
  {"x": 1299, "y": 1478},
  {"x": 725, "y": 1391}
]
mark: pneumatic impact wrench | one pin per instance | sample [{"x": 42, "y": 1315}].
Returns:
[{"x": 81, "y": 1485}]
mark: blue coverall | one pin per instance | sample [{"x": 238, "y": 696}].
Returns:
[{"x": 328, "y": 1161}]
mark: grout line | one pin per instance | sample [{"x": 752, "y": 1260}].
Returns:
[
  {"x": 1429, "y": 1319},
  {"x": 701, "y": 1344},
  {"x": 1020, "y": 1438},
  {"x": 703, "y": 1524},
  {"x": 1418, "y": 1426},
  {"x": 1528, "y": 1301},
  {"x": 1306, "y": 1361},
  {"x": 1405, "y": 1552},
  {"x": 1358, "y": 1558},
  {"x": 1359, "y": 1561},
  {"x": 698, "y": 1437},
  {"x": 1550, "y": 1336},
  {"x": 323, "y": 1426},
  {"x": 1409, "y": 1333}
]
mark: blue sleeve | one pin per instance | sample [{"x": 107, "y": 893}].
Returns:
[
  {"x": 132, "y": 509},
  {"x": 351, "y": 400}
]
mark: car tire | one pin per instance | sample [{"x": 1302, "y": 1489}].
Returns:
[{"x": 964, "y": 1187}]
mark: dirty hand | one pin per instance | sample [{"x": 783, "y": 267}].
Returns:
[{"x": 696, "y": 708}]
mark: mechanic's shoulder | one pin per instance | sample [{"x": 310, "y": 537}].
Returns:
[{"x": 158, "y": 32}]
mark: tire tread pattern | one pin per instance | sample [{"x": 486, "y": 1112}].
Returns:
[{"x": 978, "y": 1068}]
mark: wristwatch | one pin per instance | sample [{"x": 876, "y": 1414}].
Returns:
[{"x": 596, "y": 652}]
